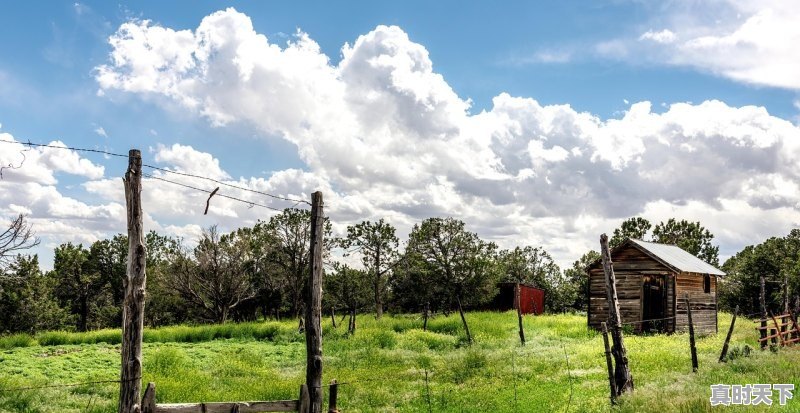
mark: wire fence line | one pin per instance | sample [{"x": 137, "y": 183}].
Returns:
[
  {"x": 53, "y": 386},
  {"x": 169, "y": 171},
  {"x": 250, "y": 203}
]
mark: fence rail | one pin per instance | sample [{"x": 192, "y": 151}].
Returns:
[{"x": 301, "y": 404}]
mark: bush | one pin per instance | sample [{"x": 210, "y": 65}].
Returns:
[{"x": 738, "y": 352}]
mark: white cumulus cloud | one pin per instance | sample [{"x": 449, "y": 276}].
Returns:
[{"x": 386, "y": 136}]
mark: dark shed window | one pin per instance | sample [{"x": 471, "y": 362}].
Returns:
[{"x": 707, "y": 284}]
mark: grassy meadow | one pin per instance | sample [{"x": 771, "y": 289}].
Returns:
[{"x": 383, "y": 367}]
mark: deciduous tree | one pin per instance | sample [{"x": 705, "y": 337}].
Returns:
[{"x": 377, "y": 244}]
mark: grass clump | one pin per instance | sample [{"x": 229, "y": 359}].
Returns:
[{"x": 17, "y": 340}]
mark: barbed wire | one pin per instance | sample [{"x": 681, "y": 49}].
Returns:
[
  {"x": 43, "y": 145},
  {"x": 251, "y": 203},
  {"x": 169, "y": 171},
  {"x": 52, "y": 386},
  {"x": 296, "y": 201}
]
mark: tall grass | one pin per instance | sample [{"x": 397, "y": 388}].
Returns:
[
  {"x": 267, "y": 331},
  {"x": 385, "y": 364}
]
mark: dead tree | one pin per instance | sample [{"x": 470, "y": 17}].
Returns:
[{"x": 17, "y": 237}]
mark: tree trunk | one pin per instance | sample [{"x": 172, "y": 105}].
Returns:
[
  {"x": 378, "y": 299},
  {"x": 352, "y": 327},
  {"x": 425, "y": 315},
  {"x": 83, "y": 323},
  {"x": 785, "y": 294},
  {"x": 464, "y": 320},
  {"x": 333, "y": 317}
]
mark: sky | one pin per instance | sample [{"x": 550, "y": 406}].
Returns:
[{"x": 536, "y": 123}]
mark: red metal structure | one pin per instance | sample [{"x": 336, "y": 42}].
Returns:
[{"x": 531, "y": 298}]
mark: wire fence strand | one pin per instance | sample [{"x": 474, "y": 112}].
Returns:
[
  {"x": 250, "y": 203},
  {"x": 53, "y": 386},
  {"x": 169, "y": 171}
]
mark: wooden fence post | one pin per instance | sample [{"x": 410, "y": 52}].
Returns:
[
  {"x": 519, "y": 315},
  {"x": 611, "y": 384},
  {"x": 728, "y": 337},
  {"x": 314, "y": 308},
  {"x": 304, "y": 404},
  {"x": 332, "y": 395},
  {"x": 623, "y": 377},
  {"x": 130, "y": 387},
  {"x": 149, "y": 399},
  {"x": 692, "y": 347},
  {"x": 762, "y": 299}
]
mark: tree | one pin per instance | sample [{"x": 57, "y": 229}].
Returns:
[
  {"x": 691, "y": 236},
  {"x": 108, "y": 260},
  {"x": 347, "y": 288},
  {"x": 213, "y": 280},
  {"x": 257, "y": 244},
  {"x": 78, "y": 287},
  {"x": 377, "y": 244},
  {"x": 289, "y": 234},
  {"x": 778, "y": 260},
  {"x": 634, "y": 228},
  {"x": 27, "y": 302},
  {"x": 456, "y": 259},
  {"x": 163, "y": 305},
  {"x": 17, "y": 237},
  {"x": 577, "y": 276}
]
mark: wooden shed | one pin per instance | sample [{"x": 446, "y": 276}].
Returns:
[
  {"x": 531, "y": 298},
  {"x": 652, "y": 280}
]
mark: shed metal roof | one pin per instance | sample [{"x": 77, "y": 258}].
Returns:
[{"x": 676, "y": 257}]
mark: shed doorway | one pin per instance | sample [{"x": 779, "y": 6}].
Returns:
[{"x": 654, "y": 303}]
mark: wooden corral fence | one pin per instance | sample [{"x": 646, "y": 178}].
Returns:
[
  {"x": 786, "y": 332},
  {"x": 302, "y": 404},
  {"x": 310, "y": 400}
]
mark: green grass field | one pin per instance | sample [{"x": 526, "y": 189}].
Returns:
[{"x": 561, "y": 368}]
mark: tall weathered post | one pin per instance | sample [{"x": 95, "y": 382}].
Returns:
[
  {"x": 519, "y": 313},
  {"x": 692, "y": 346},
  {"x": 611, "y": 383},
  {"x": 728, "y": 337},
  {"x": 762, "y": 300},
  {"x": 130, "y": 387},
  {"x": 314, "y": 308},
  {"x": 622, "y": 373}
]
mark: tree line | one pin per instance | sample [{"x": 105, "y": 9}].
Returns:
[{"x": 260, "y": 272}]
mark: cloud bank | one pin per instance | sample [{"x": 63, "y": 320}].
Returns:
[{"x": 384, "y": 135}]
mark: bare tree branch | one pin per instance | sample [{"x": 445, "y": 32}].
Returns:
[{"x": 17, "y": 237}]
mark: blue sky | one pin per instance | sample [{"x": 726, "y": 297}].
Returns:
[{"x": 444, "y": 108}]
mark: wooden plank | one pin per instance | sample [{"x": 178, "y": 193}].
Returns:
[
  {"x": 227, "y": 407},
  {"x": 778, "y": 330}
]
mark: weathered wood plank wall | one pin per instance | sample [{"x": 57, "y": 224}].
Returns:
[{"x": 629, "y": 266}]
